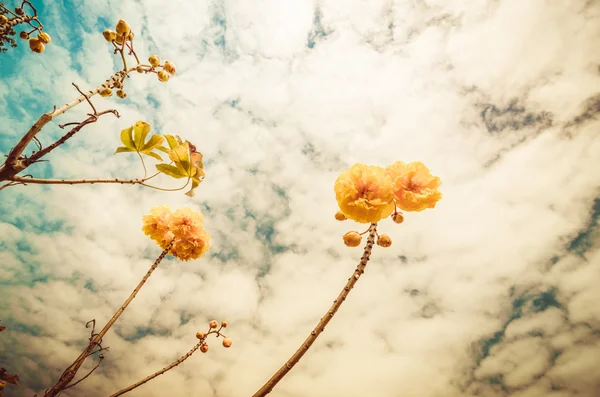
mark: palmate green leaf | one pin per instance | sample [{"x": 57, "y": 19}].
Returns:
[
  {"x": 134, "y": 139},
  {"x": 181, "y": 157},
  {"x": 141, "y": 130},
  {"x": 122, "y": 149},
  {"x": 127, "y": 139},
  {"x": 171, "y": 171}
]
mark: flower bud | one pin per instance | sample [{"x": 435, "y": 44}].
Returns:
[
  {"x": 213, "y": 324},
  {"x": 122, "y": 28},
  {"x": 169, "y": 67},
  {"x": 224, "y": 324},
  {"x": 204, "y": 348},
  {"x": 163, "y": 76},
  {"x": 154, "y": 60},
  {"x": 227, "y": 342},
  {"x": 36, "y": 45},
  {"x": 109, "y": 35},
  {"x": 140, "y": 69},
  {"x": 106, "y": 92},
  {"x": 118, "y": 84},
  {"x": 24, "y": 35},
  {"x": 3, "y": 20},
  {"x": 352, "y": 239},
  {"x": 44, "y": 37},
  {"x": 19, "y": 11},
  {"x": 398, "y": 218},
  {"x": 384, "y": 240},
  {"x": 121, "y": 94},
  {"x": 130, "y": 36},
  {"x": 200, "y": 335},
  {"x": 119, "y": 40},
  {"x": 340, "y": 216}
]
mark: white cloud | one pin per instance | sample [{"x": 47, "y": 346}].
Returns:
[{"x": 490, "y": 294}]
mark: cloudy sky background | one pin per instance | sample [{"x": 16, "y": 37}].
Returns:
[{"x": 493, "y": 293}]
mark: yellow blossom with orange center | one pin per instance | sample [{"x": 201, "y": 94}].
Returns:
[
  {"x": 156, "y": 224},
  {"x": 184, "y": 225},
  {"x": 364, "y": 193},
  {"x": 414, "y": 188}
]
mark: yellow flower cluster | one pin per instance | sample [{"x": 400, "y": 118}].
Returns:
[
  {"x": 184, "y": 227},
  {"x": 368, "y": 193}
]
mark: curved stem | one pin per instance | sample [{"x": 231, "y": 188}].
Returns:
[
  {"x": 360, "y": 269},
  {"x": 162, "y": 371},
  {"x": 71, "y": 371}
]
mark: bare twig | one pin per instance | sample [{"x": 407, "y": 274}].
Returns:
[
  {"x": 71, "y": 371},
  {"x": 360, "y": 269},
  {"x": 89, "y": 373},
  {"x": 14, "y": 162},
  {"x": 162, "y": 371},
  {"x": 87, "y": 98}
]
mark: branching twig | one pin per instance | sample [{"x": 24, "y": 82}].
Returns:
[
  {"x": 71, "y": 371},
  {"x": 360, "y": 269},
  {"x": 14, "y": 162},
  {"x": 162, "y": 371}
]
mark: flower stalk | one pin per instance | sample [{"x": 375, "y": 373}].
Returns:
[
  {"x": 96, "y": 339},
  {"x": 360, "y": 269}
]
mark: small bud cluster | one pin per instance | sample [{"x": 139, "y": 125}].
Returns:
[
  {"x": 213, "y": 329},
  {"x": 122, "y": 38},
  {"x": 353, "y": 238},
  {"x": 36, "y": 44}
]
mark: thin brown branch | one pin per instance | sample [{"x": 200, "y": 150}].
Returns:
[
  {"x": 14, "y": 162},
  {"x": 40, "y": 181},
  {"x": 92, "y": 119},
  {"x": 360, "y": 269},
  {"x": 87, "y": 98},
  {"x": 71, "y": 371},
  {"x": 162, "y": 371},
  {"x": 88, "y": 374}
]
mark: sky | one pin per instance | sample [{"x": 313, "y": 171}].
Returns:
[{"x": 493, "y": 293}]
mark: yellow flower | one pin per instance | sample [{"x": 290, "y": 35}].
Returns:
[
  {"x": 184, "y": 225},
  {"x": 364, "y": 193},
  {"x": 415, "y": 189},
  {"x": 191, "y": 240},
  {"x": 191, "y": 247},
  {"x": 156, "y": 225}
]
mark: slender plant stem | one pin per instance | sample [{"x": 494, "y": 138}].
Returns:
[
  {"x": 40, "y": 181},
  {"x": 162, "y": 371},
  {"x": 360, "y": 269},
  {"x": 96, "y": 340}
]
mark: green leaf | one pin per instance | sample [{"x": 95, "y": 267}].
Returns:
[
  {"x": 122, "y": 149},
  {"x": 127, "y": 139},
  {"x": 140, "y": 130},
  {"x": 154, "y": 142},
  {"x": 152, "y": 154},
  {"x": 170, "y": 170},
  {"x": 172, "y": 141},
  {"x": 181, "y": 157}
]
